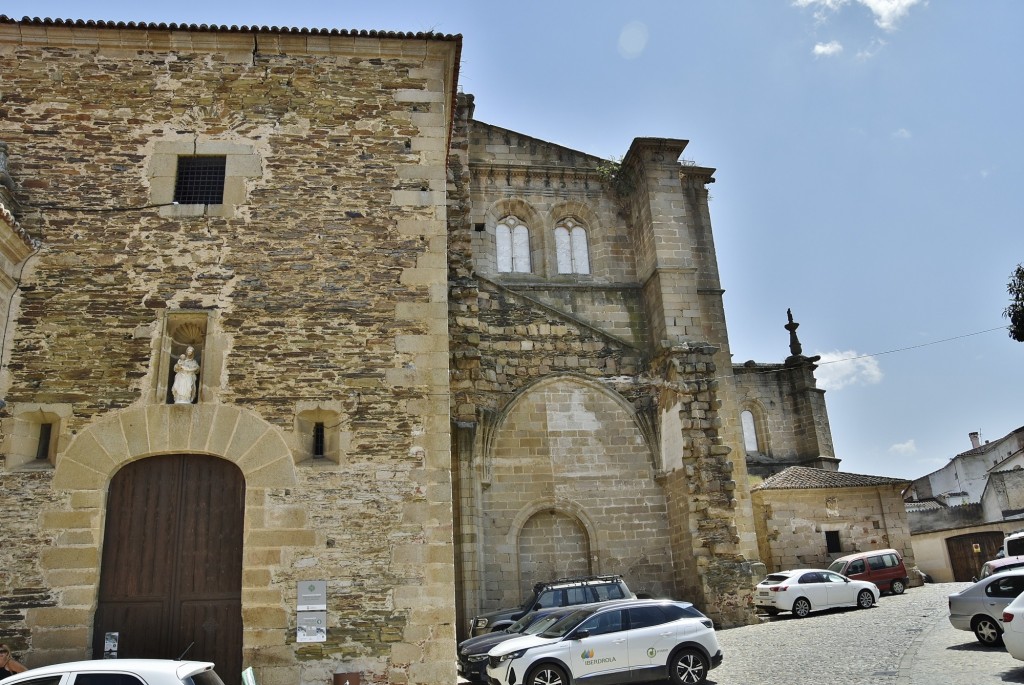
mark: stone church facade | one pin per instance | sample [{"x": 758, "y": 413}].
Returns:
[{"x": 439, "y": 360}]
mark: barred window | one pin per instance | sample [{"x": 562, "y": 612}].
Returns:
[{"x": 200, "y": 180}]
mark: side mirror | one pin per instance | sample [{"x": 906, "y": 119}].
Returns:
[{"x": 580, "y": 634}]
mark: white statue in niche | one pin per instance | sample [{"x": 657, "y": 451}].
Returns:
[{"x": 185, "y": 371}]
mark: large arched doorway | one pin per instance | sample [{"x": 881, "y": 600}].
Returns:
[{"x": 171, "y": 576}]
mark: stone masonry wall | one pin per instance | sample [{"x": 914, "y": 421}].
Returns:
[
  {"x": 326, "y": 279},
  {"x": 793, "y": 523}
]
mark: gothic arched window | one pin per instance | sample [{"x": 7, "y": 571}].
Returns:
[
  {"x": 512, "y": 238},
  {"x": 572, "y": 254}
]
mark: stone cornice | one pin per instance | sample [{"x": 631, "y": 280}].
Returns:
[{"x": 541, "y": 176}]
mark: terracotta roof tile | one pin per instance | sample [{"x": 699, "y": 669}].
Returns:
[
  {"x": 161, "y": 26},
  {"x": 801, "y": 477}
]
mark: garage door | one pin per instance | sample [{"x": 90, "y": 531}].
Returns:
[{"x": 968, "y": 552}]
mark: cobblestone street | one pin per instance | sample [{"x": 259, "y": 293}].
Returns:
[{"x": 903, "y": 640}]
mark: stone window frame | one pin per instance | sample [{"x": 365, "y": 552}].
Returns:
[
  {"x": 335, "y": 415},
  {"x": 241, "y": 164},
  {"x": 512, "y": 246},
  {"x": 760, "y": 425},
  {"x": 22, "y": 431},
  {"x": 181, "y": 327},
  {"x": 572, "y": 247}
]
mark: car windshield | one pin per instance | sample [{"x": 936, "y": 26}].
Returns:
[
  {"x": 836, "y": 566},
  {"x": 541, "y": 624},
  {"x": 520, "y": 625},
  {"x": 775, "y": 579},
  {"x": 567, "y": 623},
  {"x": 204, "y": 678}
]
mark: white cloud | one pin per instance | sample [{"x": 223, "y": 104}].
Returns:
[
  {"x": 837, "y": 369},
  {"x": 828, "y": 49},
  {"x": 632, "y": 39},
  {"x": 904, "y": 448},
  {"x": 901, "y": 133},
  {"x": 888, "y": 12}
]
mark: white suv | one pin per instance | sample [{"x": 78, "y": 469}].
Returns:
[{"x": 629, "y": 641}]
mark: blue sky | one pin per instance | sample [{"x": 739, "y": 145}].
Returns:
[{"x": 870, "y": 172}]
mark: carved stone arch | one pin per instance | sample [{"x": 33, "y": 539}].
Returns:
[
  {"x": 531, "y": 218},
  {"x": 576, "y": 515},
  {"x": 238, "y": 435},
  {"x": 581, "y": 211},
  {"x": 644, "y": 417},
  {"x": 760, "y": 421}
]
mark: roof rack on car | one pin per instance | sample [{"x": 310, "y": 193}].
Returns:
[{"x": 576, "y": 579}]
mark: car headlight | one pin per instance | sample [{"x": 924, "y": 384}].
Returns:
[
  {"x": 475, "y": 658},
  {"x": 481, "y": 623},
  {"x": 511, "y": 656}
]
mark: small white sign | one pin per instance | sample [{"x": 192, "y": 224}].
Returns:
[
  {"x": 312, "y": 595},
  {"x": 248, "y": 677},
  {"x": 311, "y": 626}
]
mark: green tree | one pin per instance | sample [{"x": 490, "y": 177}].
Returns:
[{"x": 1015, "y": 312}]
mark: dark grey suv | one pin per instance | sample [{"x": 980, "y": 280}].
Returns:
[{"x": 556, "y": 593}]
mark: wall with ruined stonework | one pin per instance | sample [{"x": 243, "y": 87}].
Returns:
[
  {"x": 315, "y": 292},
  {"x": 567, "y": 424}
]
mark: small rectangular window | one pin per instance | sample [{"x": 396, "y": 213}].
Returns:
[
  {"x": 832, "y": 541},
  {"x": 200, "y": 180},
  {"x": 318, "y": 440},
  {"x": 45, "y": 434}
]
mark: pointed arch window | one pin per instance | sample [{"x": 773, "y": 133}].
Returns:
[
  {"x": 572, "y": 253},
  {"x": 513, "y": 246}
]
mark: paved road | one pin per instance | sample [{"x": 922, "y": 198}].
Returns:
[{"x": 904, "y": 640}]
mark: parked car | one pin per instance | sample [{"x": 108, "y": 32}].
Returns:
[
  {"x": 635, "y": 641},
  {"x": 472, "y": 652},
  {"x": 556, "y": 593},
  {"x": 805, "y": 590},
  {"x": 1013, "y": 544},
  {"x": 979, "y": 607},
  {"x": 883, "y": 567},
  {"x": 999, "y": 565},
  {"x": 1013, "y": 627},
  {"x": 121, "y": 672}
]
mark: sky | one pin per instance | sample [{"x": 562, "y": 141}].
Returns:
[{"x": 870, "y": 167}]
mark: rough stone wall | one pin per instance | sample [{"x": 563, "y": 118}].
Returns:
[
  {"x": 792, "y": 524},
  {"x": 327, "y": 285}
]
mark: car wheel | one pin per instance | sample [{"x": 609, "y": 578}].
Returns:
[
  {"x": 802, "y": 607},
  {"x": 547, "y": 674},
  {"x": 987, "y": 631},
  {"x": 688, "y": 667},
  {"x": 897, "y": 587},
  {"x": 865, "y": 599}
]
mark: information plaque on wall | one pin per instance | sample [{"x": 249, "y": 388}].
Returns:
[
  {"x": 311, "y": 626},
  {"x": 312, "y": 595}
]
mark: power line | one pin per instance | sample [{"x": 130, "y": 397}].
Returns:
[{"x": 914, "y": 347}]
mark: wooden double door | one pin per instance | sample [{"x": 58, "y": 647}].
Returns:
[
  {"x": 171, "y": 579},
  {"x": 968, "y": 552}
]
